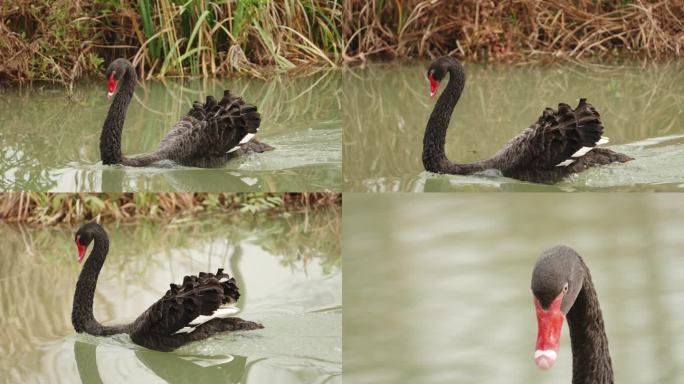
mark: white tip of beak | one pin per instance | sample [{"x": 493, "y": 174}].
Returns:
[
  {"x": 433, "y": 93},
  {"x": 109, "y": 95},
  {"x": 545, "y": 359}
]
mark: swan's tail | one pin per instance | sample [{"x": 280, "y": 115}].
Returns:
[
  {"x": 581, "y": 128},
  {"x": 244, "y": 115},
  {"x": 231, "y": 116},
  {"x": 231, "y": 292}
]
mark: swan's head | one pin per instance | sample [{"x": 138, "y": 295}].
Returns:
[
  {"x": 438, "y": 70},
  {"x": 114, "y": 73},
  {"x": 84, "y": 237},
  {"x": 556, "y": 282}
]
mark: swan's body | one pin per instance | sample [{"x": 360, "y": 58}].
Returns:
[
  {"x": 560, "y": 143},
  {"x": 562, "y": 287},
  {"x": 195, "y": 310},
  {"x": 209, "y": 135}
]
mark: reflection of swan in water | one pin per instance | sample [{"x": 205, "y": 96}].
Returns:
[
  {"x": 195, "y": 369},
  {"x": 112, "y": 179},
  {"x": 86, "y": 362},
  {"x": 170, "y": 367},
  {"x": 178, "y": 179},
  {"x": 118, "y": 179}
]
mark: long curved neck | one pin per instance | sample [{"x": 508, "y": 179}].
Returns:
[
  {"x": 590, "y": 356},
  {"x": 110, "y": 138},
  {"x": 82, "y": 311},
  {"x": 434, "y": 156}
]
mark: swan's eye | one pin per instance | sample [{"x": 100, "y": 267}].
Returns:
[{"x": 565, "y": 288}]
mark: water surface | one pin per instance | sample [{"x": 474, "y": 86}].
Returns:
[
  {"x": 50, "y": 142},
  {"x": 387, "y": 107},
  {"x": 437, "y": 287},
  {"x": 288, "y": 269}
]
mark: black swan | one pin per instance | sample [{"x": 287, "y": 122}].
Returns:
[
  {"x": 208, "y": 136},
  {"x": 192, "y": 311},
  {"x": 560, "y": 143},
  {"x": 562, "y": 287}
]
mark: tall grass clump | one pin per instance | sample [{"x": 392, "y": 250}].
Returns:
[
  {"x": 61, "y": 40},
  {"x": 39, "y": 208},
  {"x": 513, "y": 29}
]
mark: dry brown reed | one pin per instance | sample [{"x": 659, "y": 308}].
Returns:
[
  {"x": 513, "y": 29},
  {"x": 62, "y": 40}
]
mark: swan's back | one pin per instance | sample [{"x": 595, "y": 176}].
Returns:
[
  {"x": 560, "y": 142},
  {"x": 211, "y": 131},
  {"x": 172, "y": 321}
]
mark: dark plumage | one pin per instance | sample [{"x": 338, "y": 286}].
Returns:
[
  {"x": 561, "y": 274},
  {"x": 209, "y": 135},
  {"x": 535, "y": 154},
  {"x": 158, "y": 327}
]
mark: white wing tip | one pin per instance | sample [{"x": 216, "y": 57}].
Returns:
[
  {"x": 185, "y": 330},
  {"x": 235, "y": 148},
  {"x": 582, "y": 151},
  {"x": 565, "y": 163},
  {"x": 221, "y": 312},
  {"x": 603, "y": 140},
  {"x": 247, "y": 138}
]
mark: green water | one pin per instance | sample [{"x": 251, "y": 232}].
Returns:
[
  {"x": 387, "y": 107},
  {"x": 437, "y": 286},
  {"x": 51, "y": 143},
  {"x": 288, "y": 269}
]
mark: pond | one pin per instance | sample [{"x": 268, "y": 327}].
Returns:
[
  {"x": 437, "y": 286},
  {"x": 50, "y": 142},
  {"x": 288, "y": 269},
  {"x": 387, "y": 107}
]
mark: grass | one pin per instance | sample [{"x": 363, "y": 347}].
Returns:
[
  {"x": 47, "y": 209},
  {"x": 529, "y": 30},
  {"x": 62, "y": 41}
]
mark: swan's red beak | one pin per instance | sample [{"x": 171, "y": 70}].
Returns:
[
  {"x": 111, "y": 85},
  {"x": 549, "y": 323},
  {"x": 434, "y": 84},
  {"x": 81, "y": 250}
]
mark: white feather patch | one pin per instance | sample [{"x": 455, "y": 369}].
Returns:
[
  {"x": 235, "y": 148},
  {"x": 247, "y": 138},
  {"x": 185, "y": 330},
  {"x": 565, "y": 163},
  {"x": 223, "y": 280},
  {"x": 582, "y": 151},
  {"x": 604, "y": 140},
  {"x": 219, "y": 313}
]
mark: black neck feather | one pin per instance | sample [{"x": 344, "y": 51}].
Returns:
[
  {"x": 590, "y": 356},
  {"x": 110, "y": 138},
  {"x": 434, "y": 155},
  {"x": 82, "y": 312}
]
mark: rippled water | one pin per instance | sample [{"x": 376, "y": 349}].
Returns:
[
  {"x": 437, "y": 286},
  {"x": 51, "y": 142},
  {"x": 387, "y": 107},
  {"x": 288, "y": 269}
]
